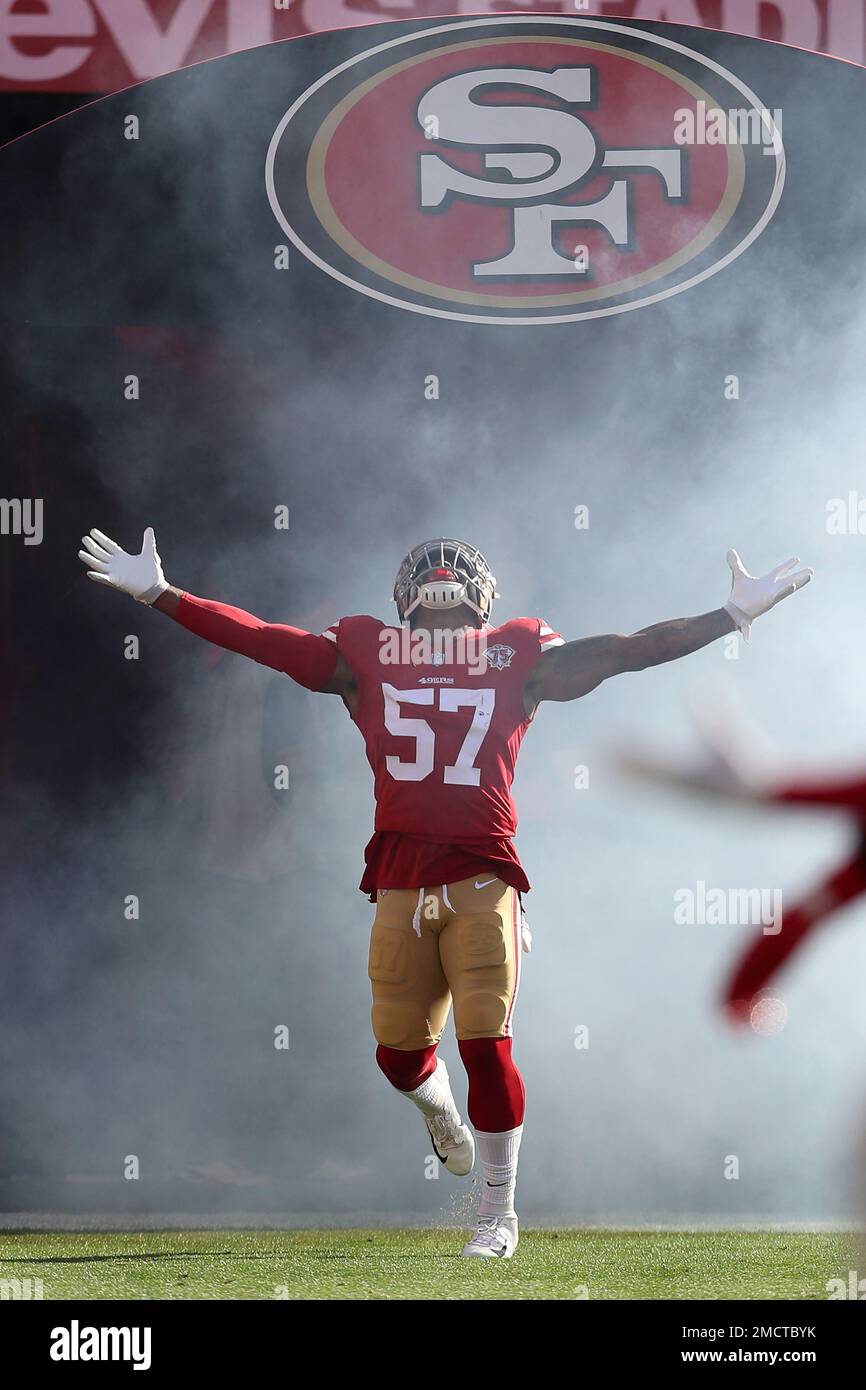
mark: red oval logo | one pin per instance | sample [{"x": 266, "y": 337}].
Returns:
[{"x": 525, "y": 171}]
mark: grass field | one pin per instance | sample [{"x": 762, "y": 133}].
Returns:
[{"x": 425, "y": 1264}]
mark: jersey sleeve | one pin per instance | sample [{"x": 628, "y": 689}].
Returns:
[
  {"x": 847, "y": 793},
  {"x": 542, "y": 638},
  {"x": 547, "y": 638},
  {"x": 357, "y": 639},
  {"x": 308, "y": 658},
  {"x": 521, "y": 643}
]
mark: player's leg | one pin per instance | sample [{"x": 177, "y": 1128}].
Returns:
[
  {"x": 411, "y": 1001},
  {"x": 480, "y": 951},
  {"x": 768, "y": 953}
]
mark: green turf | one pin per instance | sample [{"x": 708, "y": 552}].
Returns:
[{"x": 424, "y": 1264}]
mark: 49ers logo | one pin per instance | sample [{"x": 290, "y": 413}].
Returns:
[{"x": 521, "y": 170}]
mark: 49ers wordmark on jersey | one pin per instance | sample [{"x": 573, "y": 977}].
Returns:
[{"x": 521, "y": 170}]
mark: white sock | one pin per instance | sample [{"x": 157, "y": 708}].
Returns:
[
  {"x": 433, "y": 1096},
  {"x": 498, "y": 1155}
]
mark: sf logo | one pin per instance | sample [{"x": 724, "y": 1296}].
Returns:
[{"x": 544, "y": 154}]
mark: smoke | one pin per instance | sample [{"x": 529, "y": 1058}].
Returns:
[{"x": 147, "y": 1029}]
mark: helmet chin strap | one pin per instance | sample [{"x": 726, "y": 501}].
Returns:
[{"x": 441, "y": 594}]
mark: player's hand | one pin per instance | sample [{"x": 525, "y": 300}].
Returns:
[
  {"x": 714, "y": 775},
  {"x": 139, "y": 575},
  {"x": 729, "y": 761},
  {"x": 752, "y": 595}
]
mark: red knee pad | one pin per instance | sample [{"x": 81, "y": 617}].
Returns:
[
  {"x": 406, "y": 1070},
  {"x": 497, "y": 1095}
]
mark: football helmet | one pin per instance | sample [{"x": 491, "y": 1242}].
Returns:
[{"x": 454, "y": 572}]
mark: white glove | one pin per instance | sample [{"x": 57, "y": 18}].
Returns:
[
  {"x": 752, "y": 595},
  {"x": 138, "y": 575}
]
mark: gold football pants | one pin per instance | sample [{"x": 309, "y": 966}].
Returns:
[{"x": 459, "y": 941}]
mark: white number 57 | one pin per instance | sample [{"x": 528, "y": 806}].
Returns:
[{"x": 462, "y": 773}]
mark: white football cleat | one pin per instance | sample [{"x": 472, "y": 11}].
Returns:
[
  {"x": 453, "y": 1143},
  {"x": 495, "y": 1237}
]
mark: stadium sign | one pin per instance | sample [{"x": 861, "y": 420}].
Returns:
[
  {"x": 525, "y": 171},
  {"x": 104, "y": 45}
]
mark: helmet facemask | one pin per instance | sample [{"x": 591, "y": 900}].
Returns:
[{"x": 465, "y": 578}]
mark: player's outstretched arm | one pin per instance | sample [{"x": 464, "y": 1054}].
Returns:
[
  {"x": 730, "y": 760},
  {"x": 572, "y": 670},
  {"x": 309, "y": 659}
]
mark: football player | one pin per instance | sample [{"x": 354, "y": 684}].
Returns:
[
  {"x": 443, "y": 702},
  {"x": 726, "y": 768}
]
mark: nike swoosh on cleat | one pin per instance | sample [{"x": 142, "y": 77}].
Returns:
[{"x": 486, "y": 884}]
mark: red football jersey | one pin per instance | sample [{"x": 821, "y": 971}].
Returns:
[{"x": 442, "y": 735}]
